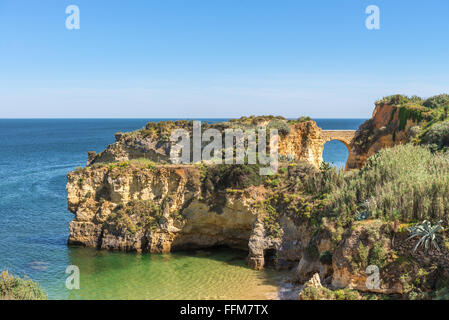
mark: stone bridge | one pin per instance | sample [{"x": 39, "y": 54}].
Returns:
[
  {"x": 306, "y": 142},
  {"x": 345, "y": 136}
]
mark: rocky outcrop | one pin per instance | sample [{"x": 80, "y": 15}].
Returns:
[
  {"x": 313, "y": 284},
  {"x": 162, "y": 209},
  {"x": 130, "y": 198},
  {"x": 126, "y": 200},
  {"x": 303, "y": 140},
  {"x": 383, "y": 130},
  {"x": 133, "y": 145},
  {"x": 375, "y": 246},
  {"x": 367, "y": 244},
  {"x": 312, "y": 262}
]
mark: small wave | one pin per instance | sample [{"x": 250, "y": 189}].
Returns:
[{"x": 38, "y": 265}]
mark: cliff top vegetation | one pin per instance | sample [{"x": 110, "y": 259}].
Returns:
[
  {"x": 434, "y": 108},
  {"x": 163, "y": 129},
  {"x": 15, "y": 288},
  {"x": 429, "y": 126}
]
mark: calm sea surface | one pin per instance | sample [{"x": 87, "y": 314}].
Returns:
[{"x": 35, "y": 156}]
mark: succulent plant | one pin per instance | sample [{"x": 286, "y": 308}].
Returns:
[
  {"x": 363, "y": 213},
  {"x": 428, "y": 234}
]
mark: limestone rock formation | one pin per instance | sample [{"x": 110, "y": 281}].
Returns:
[
  {"x": 314, "y": 281},
  {"x": 383, "y": 130},
  {"x": 159, "y": 210},
  {"x": 154, "y": 206},
  {"x": 314, "y": 290},
  {"x": 122, "y": 202},
  {"x": 303, "y": 140},
  {"x": 130, "y": 198},
  {"x": 368, "y": 244}
]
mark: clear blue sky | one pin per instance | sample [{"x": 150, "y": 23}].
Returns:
[{"x": 217, "y": 58}]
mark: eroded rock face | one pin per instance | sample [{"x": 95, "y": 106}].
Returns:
[
  {"x": 305, "y": 141},
  {"x": 369, "y": 243},
  {"x": 133, "y": 146},
  {"x": 162, "y": 207},
  {"x": 375, "y": 244},
  {"x": 379, "y": 132},
  {"x": 160, "y": 210}
]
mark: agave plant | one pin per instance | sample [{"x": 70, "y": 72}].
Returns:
[
  {"x": 364, "y": 214},
  {"x": 428, "y": 234}
]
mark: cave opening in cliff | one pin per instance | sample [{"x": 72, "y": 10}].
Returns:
[
  {"x": 270, "y": 257},
  {"x": 336, "y": 153}
]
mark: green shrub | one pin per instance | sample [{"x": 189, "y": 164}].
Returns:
[
  {"x": 312, "y": 253},
  {"x": 135, "y": 215},
  {"x": 438, "y": 101},
  {"x": 304, "y": 119},
  {"x": 414, "y": 132},
  {"x": 326, "y": 257},
  {"x": 378, "y": 255},
  {"x": 271, "y": 222},
  {"x": 406, "y": 182},
  {"x": 347, "y": 294},
  {"x": 323, "y": 181},
  {"x": 406, "y": 113},
  {"x": 224, "y": 176},
  {"x": 323, "y": 293},
  {"x": 437, "y": 136},
  {"x": 395, "y": 100},
  {"x": 15, "y": 288},
  {"x": 281, "y": 125}
]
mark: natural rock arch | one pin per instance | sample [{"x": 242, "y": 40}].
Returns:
[{"x": 344, "y": 136}]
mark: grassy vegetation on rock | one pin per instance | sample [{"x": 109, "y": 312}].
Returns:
[
  {"x": 15, "y": 288},
  {"x": 427, "y": 114},
  {"x": 135, "y": 216},
  {"x": 405, "y": 182}
]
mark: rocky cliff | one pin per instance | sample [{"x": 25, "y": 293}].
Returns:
[
  {"x": 129, "y": 198},
  {"x": 398, "y": 120},
  {"x": 135, "y": 208},
  {"x": 385, "y": 129},
  {"x": 299, "y": 140}
]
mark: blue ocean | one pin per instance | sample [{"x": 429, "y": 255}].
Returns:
[{"x": 36, "y": 155}]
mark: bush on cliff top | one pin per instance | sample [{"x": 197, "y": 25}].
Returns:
[
  {"x": 281, "y": 125},
  {"x": 240, "y": 176},
  {"x": 406, "y": 182},
  {"x": 437, "y": 136},
  {"x": 432, "y": 109},
  {"x": 425, "y": 112},
  {"x": 438, "y": 101},
  {"x": 400, "y": 100},
  {"x": 14, "y": 288}
]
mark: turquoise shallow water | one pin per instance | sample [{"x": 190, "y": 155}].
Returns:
[
  {"x": 203, "y": 274},
  {"x": 35, "y": 156}
]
